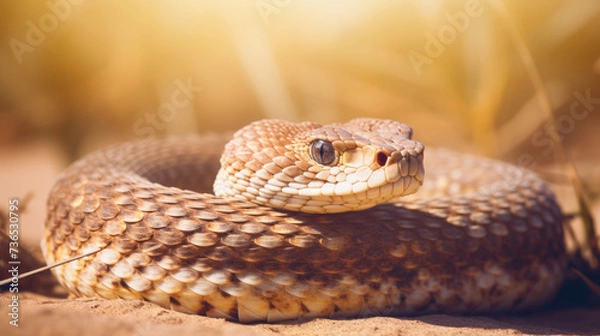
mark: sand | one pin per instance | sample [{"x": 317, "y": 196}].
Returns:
[{"x": 50, "y": 316}]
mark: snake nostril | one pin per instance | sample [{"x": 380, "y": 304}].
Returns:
[{"x": 381, "y": 158}]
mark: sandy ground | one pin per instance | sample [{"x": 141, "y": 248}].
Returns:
[
  {"x": 32, "y": 168},
  {"x": 44, "y": 316}
]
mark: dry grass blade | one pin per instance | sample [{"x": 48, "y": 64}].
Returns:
[
  {"x": 27, "y": 257},
  {"x": 45, "y": 268},
  {"x": 544, "y": 102},
  {"x": 593, "y": 286}
]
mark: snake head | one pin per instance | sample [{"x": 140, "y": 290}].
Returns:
[{"x": 321, "y": 169}]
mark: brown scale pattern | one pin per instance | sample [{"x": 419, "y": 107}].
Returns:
[{"x": 480, "y": 239}]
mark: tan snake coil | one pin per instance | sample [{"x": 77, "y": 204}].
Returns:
[{"x": 479, "y": 236}]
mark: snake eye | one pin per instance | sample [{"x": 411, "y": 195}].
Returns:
[{"x": 322, "y": 152}]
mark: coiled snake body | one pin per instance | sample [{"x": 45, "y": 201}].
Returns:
[{"x": 281, "y": 240}]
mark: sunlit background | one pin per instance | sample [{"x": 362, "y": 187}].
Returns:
[
  {"x": 87, "y": 72},
  {"x": 76, "y": 75}
]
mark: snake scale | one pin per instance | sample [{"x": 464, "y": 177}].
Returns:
[{"x": 306, "y": 221}]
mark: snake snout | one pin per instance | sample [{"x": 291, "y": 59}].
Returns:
[{"x": 402, "y": 170}]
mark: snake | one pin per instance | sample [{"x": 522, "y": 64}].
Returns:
[{"x": 305, "y": 221}]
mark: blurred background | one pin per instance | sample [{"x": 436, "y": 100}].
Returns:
[{"x": 76, "y": 75}]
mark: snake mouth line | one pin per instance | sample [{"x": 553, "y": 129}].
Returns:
[{"x": 321, "y": 204}]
